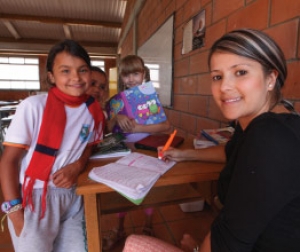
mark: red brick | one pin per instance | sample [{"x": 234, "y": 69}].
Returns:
[
  {"x": 214, "y": 111},
  {"x": 181, "y": 133},
  {"x": 127, "y": 46},
  {"x": 170, "y": 8},
  {"x": 284, "y": 10},
  {"x": 198, "y": 63},
  {"x": 179, "y": 18},
  {"x": 174, "y": 117},
  {"x": 299, "y": 46},
  {"x": 162, "y": 19},
  {"x": 188, "y": 123},
  {"x": 179, "y": 3},
  {"x": 198, "y": 105},
  {"x": 253, "y": 16},
  {"x": 208, "y": 15},
  {"x": 205, "y": 123},
  {"x": 165, "y": 3},
  {"x": 291, "y": 90},
  {"x": 181, "y": 103},
  {"x": 297, "y": 106},
  {"x": 223, "y": 8},
  {"x": 204, "y": 84},
  {"x": 191, "y": 8},
  {"x": 178, "y": 36},
  {"x": 286, "y": 35},
  {"x": 177, "y": 52},
  {"x": 189, "y": 85},
  {"x": 181, "y": 67},
  {"x": 204, "y": 2},
  {"x": 176, "y": 85},
  {"x": 214, "y": 32}
]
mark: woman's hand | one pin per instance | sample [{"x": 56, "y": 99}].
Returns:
[{"x": 172, "y": 154}]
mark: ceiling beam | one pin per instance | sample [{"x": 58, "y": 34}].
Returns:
[
  {"x": 67, "y": 31},
  {"x": 43, "y": 49},
  {"x": 11, "y": 29},
  {"x": 66, "y": 21},
  {"x": 53, "y": 41}
]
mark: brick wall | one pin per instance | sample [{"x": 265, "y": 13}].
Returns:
[{"x": 194, "y": 107}]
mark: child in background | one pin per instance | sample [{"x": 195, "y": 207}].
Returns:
[
  {"x": 47, "y": 146},
  {"x": 99, "y": 86},
  {"x": 133, "y": 72}
]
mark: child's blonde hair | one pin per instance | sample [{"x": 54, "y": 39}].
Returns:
[{"x": 131, "y": 64}]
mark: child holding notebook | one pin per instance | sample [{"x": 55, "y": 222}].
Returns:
[{"x": 133, "y": 72}]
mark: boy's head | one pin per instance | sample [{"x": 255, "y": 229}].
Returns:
[{"x": 132, "y": 70}]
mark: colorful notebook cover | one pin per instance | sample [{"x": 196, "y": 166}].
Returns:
[{"x": 140, "y": 103}]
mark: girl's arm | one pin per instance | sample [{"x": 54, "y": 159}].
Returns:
[
  {"x": 9, "y": 172},
  {"x": 9, "y": 180},
  {"x": 67, "y": 175},
  {"x": 163, "y": 127},
  {"x": 125, "y": 123}
]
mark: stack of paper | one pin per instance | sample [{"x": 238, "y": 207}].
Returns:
[{"x": 132, "y": 176}]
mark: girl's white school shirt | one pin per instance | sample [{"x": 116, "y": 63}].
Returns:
[{"x": 24, "y": 128}]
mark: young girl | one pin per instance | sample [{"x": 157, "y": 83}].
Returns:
[
  {"x": 47, "y": 146},
  {"x": 259, "y": 185},
  {"x": 133, "y": 72}
]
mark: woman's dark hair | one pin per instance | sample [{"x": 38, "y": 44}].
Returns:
[
  {"x": 257, "y": 46},
  {"x": 70, "y": 46}
]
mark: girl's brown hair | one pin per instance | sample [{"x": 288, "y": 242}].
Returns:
[{"x": 131, "y": 64}]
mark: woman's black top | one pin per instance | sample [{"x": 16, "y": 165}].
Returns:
[{"x": 260, "y": 188}]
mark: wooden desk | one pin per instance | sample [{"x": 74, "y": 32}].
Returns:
[{"x": 181, "y": 173}]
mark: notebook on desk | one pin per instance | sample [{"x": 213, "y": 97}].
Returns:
[{"x": 151, "y": 142}]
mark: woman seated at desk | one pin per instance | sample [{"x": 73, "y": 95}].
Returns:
[{"x": 259, "y": 185}]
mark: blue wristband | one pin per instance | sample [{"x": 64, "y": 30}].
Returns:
[{"x": 7, "y": 205}]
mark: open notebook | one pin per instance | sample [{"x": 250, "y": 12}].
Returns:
[{"x": 132, "y": 176}]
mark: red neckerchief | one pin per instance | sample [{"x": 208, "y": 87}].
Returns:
[{"x": 47, "y": 147}]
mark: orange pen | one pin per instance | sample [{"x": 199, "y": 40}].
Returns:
[{"x": 168, "y": 144}]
